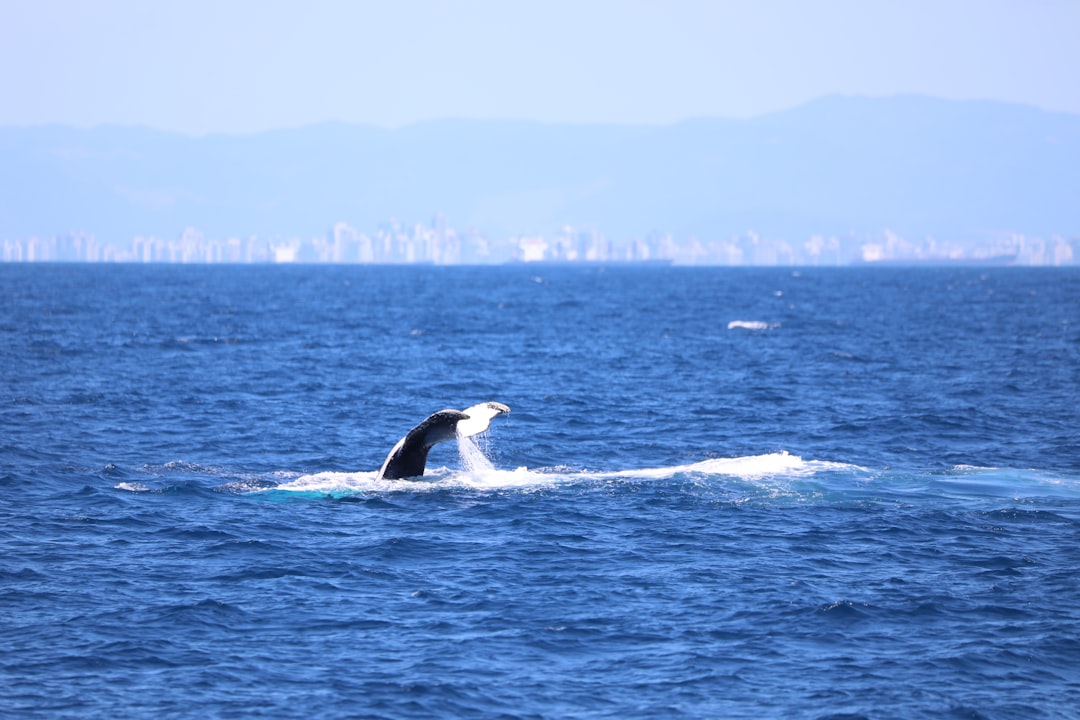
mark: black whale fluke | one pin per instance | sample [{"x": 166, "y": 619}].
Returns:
[{"x": 409, "y": 457}]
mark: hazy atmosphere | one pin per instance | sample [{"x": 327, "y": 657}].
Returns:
[
  {"x": 693, "y": 133},
  {"x": 244, "y": 66}
]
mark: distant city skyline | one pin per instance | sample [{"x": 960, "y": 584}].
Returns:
[
  {"x": 438, "y": 243},
  {"x": 243, "y": 66}
]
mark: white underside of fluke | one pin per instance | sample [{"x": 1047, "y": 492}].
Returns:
[{"x": 479, "y": 418}]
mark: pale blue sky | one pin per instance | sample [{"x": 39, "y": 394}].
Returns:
[{"x": 240, "y": 66}]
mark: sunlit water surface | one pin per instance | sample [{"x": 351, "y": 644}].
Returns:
[{"x": 719, "y": 493}]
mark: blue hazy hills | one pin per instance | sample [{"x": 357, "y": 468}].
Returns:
[{"x": 837, "y": 165}]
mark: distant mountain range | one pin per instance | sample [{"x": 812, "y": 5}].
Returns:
[{"x": 838, "y": 165}]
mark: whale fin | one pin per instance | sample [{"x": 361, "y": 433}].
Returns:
[{"x": 409, "y": 456}]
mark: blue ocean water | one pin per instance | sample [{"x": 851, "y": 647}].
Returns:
[{"x": 720, "y": 493}]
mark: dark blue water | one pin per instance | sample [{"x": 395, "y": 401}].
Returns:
[{"x": 719, "y": 493}]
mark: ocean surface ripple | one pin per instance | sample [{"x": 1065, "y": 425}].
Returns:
[{"x": 720, "y": 493}]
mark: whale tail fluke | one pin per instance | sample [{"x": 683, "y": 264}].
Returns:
[{"x": 409, "y": 456}]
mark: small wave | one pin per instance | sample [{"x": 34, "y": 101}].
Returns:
[{"x": 751, "y": 325}]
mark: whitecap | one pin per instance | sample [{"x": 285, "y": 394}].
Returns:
[
  {"x": 131, "y": 487},
  {"x": 751, "y": 325}
]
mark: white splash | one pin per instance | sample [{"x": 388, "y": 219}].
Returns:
[
  {"x": 473, "y": 460},
  {"x": 750, "y": 467},
  {"x": 478, "y": 473}
]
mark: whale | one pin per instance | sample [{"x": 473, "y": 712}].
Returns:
[{"x": 408, "y": 458}]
